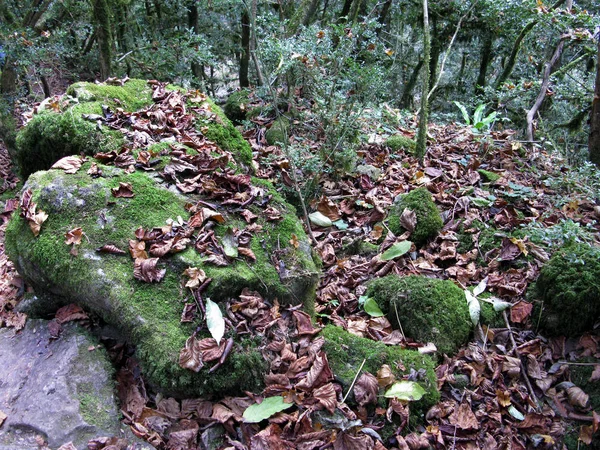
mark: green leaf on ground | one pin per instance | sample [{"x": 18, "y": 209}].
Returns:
[
  {"x": 269, "y": 406},
  {"x": 372, "y": 308},
  {"x": 396, "y": 250},
  {"x": 405, "y": 390},
  {"x": 214, "y": 320}
]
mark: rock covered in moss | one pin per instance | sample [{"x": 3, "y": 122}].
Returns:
[
  {"x": 278, "y": 132},
  {"x": 490, "y": 177},
  {"x": 399, "y": 142},
  {"x": 346, "y": 352},
  {"x": 429, "y": 221},
  {"x": 85, "y": 122},
  {"x": 569, "y": 290},
  {"x": 429, "y": 310},
  {"x": 236, "y": 107}
]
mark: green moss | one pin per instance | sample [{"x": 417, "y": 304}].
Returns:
[
  {"x": 569, "y": 289},
  {"x": 92, "y": 409},
  {"x": 429, "y": 220},
  {"x": 236, "y": 106},
  {"x": 279, "y": 131},
  {"x": 132, "y": 96},
  {"x": 488, "y": 176},
  {"x": 428, "y": 309},
  {"x": 149, "y": 314},
  {"x": 400, "y": 142},
  {"x": 489, "y": 316},
  {"x": 221, "y": 131},
  {"x": 346, "y": 352}
]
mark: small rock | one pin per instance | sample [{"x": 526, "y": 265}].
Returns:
[{"x": 367, "y": 169}]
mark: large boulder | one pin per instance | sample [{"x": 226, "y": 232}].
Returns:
[
  {"x": 190, "y": 206},
  {"x": 58, "y": 390}
]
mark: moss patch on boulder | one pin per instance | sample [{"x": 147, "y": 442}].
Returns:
[
  {"x": 148, "y": 314},
  {"x": 399, "y": 142},
  {"x": 569, "y": 290},
  {"x": 57, "y": 132},
  {"x": 279, "y": 131},
  {"x": 488, "y": 176},
  {"x": 428, "y": 309},
  {"x": 429, "y": 220},
  {"x": 346, "y": 352},
  {"x": 236, "y": 107}
]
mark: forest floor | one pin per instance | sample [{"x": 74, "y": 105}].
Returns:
[{"x": 508, "y": 388}]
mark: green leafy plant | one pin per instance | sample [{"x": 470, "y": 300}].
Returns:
[{"x": 478, "y": 123}]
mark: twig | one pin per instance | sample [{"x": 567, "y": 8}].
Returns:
[
  {"x": 522, "y": 366},
  {"x": 224, "y": 356},
  {"x": 354, "y": 381}
]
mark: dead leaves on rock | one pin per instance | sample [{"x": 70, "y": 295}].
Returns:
[
  {"x": 146, "y": 270},
  {"x": 29, "y": 212}
]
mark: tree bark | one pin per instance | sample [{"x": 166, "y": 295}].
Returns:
[
  {"x": 485, "y": 58},
  {"x": 422, "y": 134},
  {"x": 245, "y": 55},
  {"x": 259, "y": 75},
  {"x": 407, "y": 95},
  {"x": 594, "y": 137},
  {"x": 101, "y": 13}
]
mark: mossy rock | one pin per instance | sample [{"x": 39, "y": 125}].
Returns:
[
  {"x": 51, "y": 134},
  {"x": 429, "y": 310},
  {"x": 279, "y": 131},
  {"x": 148, "y": 315},
  {"x": 236, "y": 107},
  {"x": 346, "y": 352},
  {"x": 399, "y": 142},
  {"x": 569, "y": 290},
  {"x": 429, "y": 220}
]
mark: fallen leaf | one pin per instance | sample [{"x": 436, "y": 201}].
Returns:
[
  {"x": 520, "y": 311},
  {"x": 405, "y": 390},
  {"x": 190, "y": 357},
  {"x": 365, "y": 389},
  {"x": 74, "y": 236},
  {"x": 385, "y": 376},
  {"x": 112, "y": 249},
  {"x": 214, "y": 320},
  {"x": 2, "y": 417},
  {"x": 70, "y": 164},
  {"x": 408, "y": 220},
  {"x": 124, "y": 190},
  {"x": 320, "y": 220},
  {"x": 146, "y": 270},
  {"x": 396, "y": 250},
  {"x": 69, "y": 313},
  {"x": 464, "y": 418},
  {"x": 36, "y": 222},
  {"x": 196, "y": 277},
  {"x": 267, "y": 408},
  {"x": 244, "y": 251}
]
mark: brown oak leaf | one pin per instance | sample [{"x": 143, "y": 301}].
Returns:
[{"x": 146, "y": 270}]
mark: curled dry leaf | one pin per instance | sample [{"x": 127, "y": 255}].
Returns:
[
  {"x": 70, "y": 312},
  {"x": 196, "y": 277},
  {"x": 74, "y": 236},
  {"x": 577, "y": 397},
  {"x": 327, "y": 397},
  {"x": 146, "y": 270},
  {"x": 365, "y": 389},
  {"x": 70, "y": 164},
  {"x": 137, "y": 249},
  {"x": 190, "y": 357},
  {"x": 244, "y": 251},
  {"x": 385, "y": 376},
  {"x": 35, "y": 223},
  {"x": 124, "y": 190},
  {"x": 520, "y": 311},
  {"x": 112, "y": 249},
  {"x": 408, "y": 220}
]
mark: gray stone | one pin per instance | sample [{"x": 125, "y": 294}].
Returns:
[
  {"x": 56, "y": 390},
  {"x": 367, "y": 169}
]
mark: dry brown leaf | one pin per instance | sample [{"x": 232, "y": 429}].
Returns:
[
  {"x": 520, "y": 311},
  {"x": 586, "y": 434},
  {"x": 35, "y": 223},
  {"x": 70, "y": 312},
  {"x": 596, "y": 373},
  {"x": 408, "y": 220},
  {"x": 70, "y": 164},
  {"x": 196, "y": 277},
  {"x": 3, "y": 417},
  {"x": 328, "y": 209},
  {"x": 346, "y": 441},
  {"x": 464, "y": 418},
  {"x": 74, "y": 236},
  {"x": 577, "y": 397},
  {"x": 190, "y": 357},
  {"x": 137, "y": 249},
  {"x": 326, "y": 396},
  {"x": 146, "y": 270},
  {"x": 124, "y": 190},
  {"x": 244, "y": 251},
  {"x": 503, "y": 397},
  {"x": 67, "y": 446},
  {"x": 112, "y": 249},
  {"x": 365, "y": 389},
  {"x": 385, "y": 376}
]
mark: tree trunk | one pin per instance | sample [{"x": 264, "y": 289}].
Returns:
[
  {"x": 594, "y": 138},
  {"x": 260, "y": 79},
  {"x": 383, "y": 14},
  {"x": 545, "y": 82},
  {"x": 245, "y": 56},
  {"x": 485, "y": 58},
  {"x": 102, "y": 12},
  {"x": 407, "y": 95},
  {"x": 196, "y": 68},
  {"x": 422, "y": 134}
]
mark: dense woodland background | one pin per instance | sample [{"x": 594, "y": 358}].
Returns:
[{"x": 533, "y": 64}]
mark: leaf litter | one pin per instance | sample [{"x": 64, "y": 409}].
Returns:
[{"x": 510, "y": 390}]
